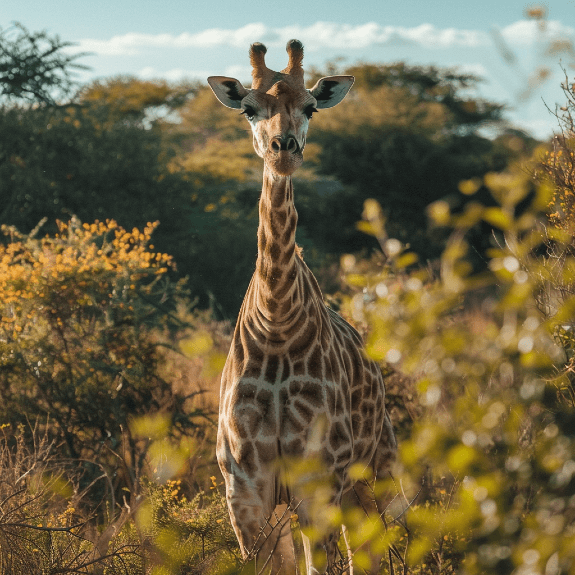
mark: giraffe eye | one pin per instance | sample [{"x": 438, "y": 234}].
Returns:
[
  {"x": 248, "y": 112},
  {"x": 309, "y": 110}
]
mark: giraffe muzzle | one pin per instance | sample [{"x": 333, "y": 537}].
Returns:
[{"x": 284, "y": 144}]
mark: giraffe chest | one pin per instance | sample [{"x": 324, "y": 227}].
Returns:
[{"x": 276, "y": 401}]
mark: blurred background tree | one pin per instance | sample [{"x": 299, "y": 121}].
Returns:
[
  {"x": 139, "y": 151},
  {"x": 34, "y": 66},
  {"x": 92, "y": 313}
]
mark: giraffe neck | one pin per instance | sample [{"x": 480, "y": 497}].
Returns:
[{"x": 277, "y": 273}]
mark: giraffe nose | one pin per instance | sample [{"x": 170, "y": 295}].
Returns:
[{"x": 284, "y": 144}]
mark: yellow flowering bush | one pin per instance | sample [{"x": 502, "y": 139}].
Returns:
[
  {"x": 188, "y": 535},
  {"x": 557, "y": 166},
  {"x": 82, "y": 313}
]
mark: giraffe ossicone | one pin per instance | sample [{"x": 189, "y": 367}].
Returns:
[{"x": 293, "y": 362}]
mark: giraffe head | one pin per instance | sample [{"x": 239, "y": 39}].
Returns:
[{"x": 278, "y": 106}]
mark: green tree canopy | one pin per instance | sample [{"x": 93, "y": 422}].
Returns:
[{"x": 34, "y": 66}]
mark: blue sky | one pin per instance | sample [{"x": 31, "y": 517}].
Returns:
[{"x": 177, "y": 39}]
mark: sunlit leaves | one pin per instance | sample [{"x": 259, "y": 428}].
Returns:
[
  {"x": 482, "y": 371},
  {"x": 81, "y": 316}
]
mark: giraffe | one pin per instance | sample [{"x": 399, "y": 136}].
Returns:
[{"x": 293, "y": 362}]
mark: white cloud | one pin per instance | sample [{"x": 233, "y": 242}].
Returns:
[
  {"x": 476, "y": 69},
  {"x": 316, "y": 36},
  {"x": 173, "y": 75},
  {"x": 177, "y": 74},
  {"x": 525, "y": 32}
]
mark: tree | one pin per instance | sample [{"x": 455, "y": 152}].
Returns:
[
  {"x": 128, "y": 100},
  {"x": 407, "y": 137},
  {"x": 34, "y": 66},
  {"x": 83, "y": 313}
]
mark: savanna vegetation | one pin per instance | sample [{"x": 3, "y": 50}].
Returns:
[{"x": 128, "y": 211}]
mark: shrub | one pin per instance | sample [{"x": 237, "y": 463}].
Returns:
[
  {"x": 42, "y": 529},
  {"x": 82, "y": 315},
  {"x": 184, "y": 535},
  {"x": 487, "y": 476}
]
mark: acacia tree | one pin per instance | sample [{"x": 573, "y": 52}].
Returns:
[{"x": 34, "y": 66}]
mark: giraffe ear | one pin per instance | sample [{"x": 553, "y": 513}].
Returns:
[
  {"x": 228, "y": 91},
  {"x": 331, "y": 90}
]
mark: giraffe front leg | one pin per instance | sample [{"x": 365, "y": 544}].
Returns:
[
  {"x": 263, "y": 531},
  {"x": 322, "y": 554}
]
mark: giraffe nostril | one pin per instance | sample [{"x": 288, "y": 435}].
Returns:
[
  {"x": 291, "y": 145},
  {"x": 283, "y": 144}
]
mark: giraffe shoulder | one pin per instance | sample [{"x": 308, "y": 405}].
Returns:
[{"x": 344, "y": 327}]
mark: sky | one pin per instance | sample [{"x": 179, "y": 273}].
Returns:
[{"x": 179, "y": 39}]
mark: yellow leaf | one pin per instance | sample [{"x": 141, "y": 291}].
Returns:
[
  {"x": 469, "y": 187},
  {"x": 498, "y": 218},
  {"x": 198, "y": 345}
]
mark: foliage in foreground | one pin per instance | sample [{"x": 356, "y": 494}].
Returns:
[
  {"x": 486, "y": 474},
  {"x": 495, "y": 441},
  {"x": 85, "y": 315},
  {"x": 46, "y": 527}
]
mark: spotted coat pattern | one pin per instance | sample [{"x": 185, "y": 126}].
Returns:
[{"x": 293, "y": 362}]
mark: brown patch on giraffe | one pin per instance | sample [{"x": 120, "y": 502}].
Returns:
[
  {"x": 290, "y": 229},
  {"x": 303, "y": 409},
  {"x": 312, "y": 393},
  {"x": 245, "y": 391},
  {"x": 299, "y": 367},
  {"x": 356, "y": 397},
  {"x": 262, "y": 242},
  {"x": 271, "y": 304},
  {"x": 328, "y": 458},
  {"x": 295, "y": 387},
  {"x": 252, "y": 367},
  {"x": 274, "y": 278},
  {"x": 253, "y": 421},
  {"x": 254, "y": 351},
  {"x": 278, "y": 200},
  {"x": 285, "y": 308},
  {"x": 338, "y": 436},
  {"x": 345, "y": 455},
  {"x": 335, "y": 367},
  {"x": 281, "y": 217},
  {"x": 315, "y": 363},
  {"x": 247, "y": 459},
  {"x": 265, "y": 410},
  {"x": 347, "y": 364},
  {"x": 281, "y": 292},
  {"x": 292, "y": 425},
  {"x": 226, "y": 464},
  {"x": 330, "y": 399},
  {"x": 241, "y": 430},
  {"x": 272, "y": 368},
  {"x": 293, "y": 448},
  {"x": 288, "y": 254},
  {"x": 286, "y": 369},
  {"x": 267, "y": 453},
  {"x": 275, "y": 252},
  {"x": 242, "y": 514},
  {"x": 367, "y": 410},
  {"x": 302, "y": 343},
  {"x": 368, "y": 426}
]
